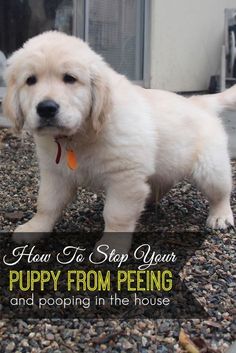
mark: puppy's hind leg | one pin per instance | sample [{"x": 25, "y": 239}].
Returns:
[
  {"x": 55, "y": 193},
  {"x": 212, "y": 174}
]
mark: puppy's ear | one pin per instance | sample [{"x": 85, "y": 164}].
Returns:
[
  {"x": 101, "y": 99},
  {"x": 11, "y": 104}
]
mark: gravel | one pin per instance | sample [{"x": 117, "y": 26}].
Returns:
[{"x": 210, "y": 274}]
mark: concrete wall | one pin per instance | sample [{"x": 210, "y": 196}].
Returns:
[{"x": 186, "y": 39}]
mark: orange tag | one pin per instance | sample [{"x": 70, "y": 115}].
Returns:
[{"x": 71, "y": 159}]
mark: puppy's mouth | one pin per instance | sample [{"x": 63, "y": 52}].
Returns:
[
  {"x": 52, "y": 129},
  {"x": 49, "y": 125}
]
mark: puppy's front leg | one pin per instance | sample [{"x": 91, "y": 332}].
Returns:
[
  {"x": 54, "y": 194},
  {"x": 124, "y": 203}
]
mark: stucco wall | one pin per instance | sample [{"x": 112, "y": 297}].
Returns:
[{"x": 186, "y": 39}]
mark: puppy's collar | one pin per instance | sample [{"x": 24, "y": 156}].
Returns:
[{"x": 70, "y": 156}]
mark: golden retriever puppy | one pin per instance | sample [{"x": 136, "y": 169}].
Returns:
[{"x": 106, "y": 132}]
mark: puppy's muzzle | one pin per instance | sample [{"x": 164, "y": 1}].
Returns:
[{"x": 47, "y": 110}]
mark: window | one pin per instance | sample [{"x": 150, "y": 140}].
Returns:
[
  {"x": 116, "y": 29},
  {"x": 23, "y": 19}
]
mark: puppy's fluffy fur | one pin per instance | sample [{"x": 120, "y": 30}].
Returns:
[{"x": 128, "y": 140}]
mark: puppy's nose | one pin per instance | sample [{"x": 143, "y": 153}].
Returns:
[{"x": 47, "y": 109}]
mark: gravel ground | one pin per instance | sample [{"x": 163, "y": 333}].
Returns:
[{"x": 210, "y": 274}]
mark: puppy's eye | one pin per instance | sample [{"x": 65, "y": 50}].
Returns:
[
  {"x": 69, "y": 79},
  {"x": 31, "y": 80}
]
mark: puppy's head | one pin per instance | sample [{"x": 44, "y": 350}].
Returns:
[{"x": 56, "y": 85}]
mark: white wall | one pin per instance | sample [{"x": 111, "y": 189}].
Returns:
[{"x": 186, "y": 39}]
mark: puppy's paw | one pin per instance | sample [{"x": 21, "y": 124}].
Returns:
[
  {"x": 112, "y": 243},
  {"x": 220, "y": 221},
  {"x": 26, "y": 234}
]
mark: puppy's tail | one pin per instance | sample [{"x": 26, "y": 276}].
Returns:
[{"x": 216, "y": 103}]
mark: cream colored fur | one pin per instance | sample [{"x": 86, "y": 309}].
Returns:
[{"x": 128, "y": 140}]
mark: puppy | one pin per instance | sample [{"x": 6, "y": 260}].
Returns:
[{"x": 108, "y": 133}]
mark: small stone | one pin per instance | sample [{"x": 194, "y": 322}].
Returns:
[
  {"x": 50, "y": 336},
  {"x": 169, "y": 340},
  {"x": 14, "y": 216},
  {"x": 163, "y": 349},
  {"x": 92, "y": 332},
  {"x": 142, "y": 325},
  {"x": 144, "y": 341},
  {"x": 136, "y": 332},
  {"x": 54, "y": 345},
  {"x": 24, "y": 343},
  {"x": 46, "y": 343},
  {"x": 127, "y": 345},
  {"x": 103, "y": 347},
  {"x": 10, "y": 347},
  {"x": 164, "y": 327},
  {"x": 194, "y": 228}
]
